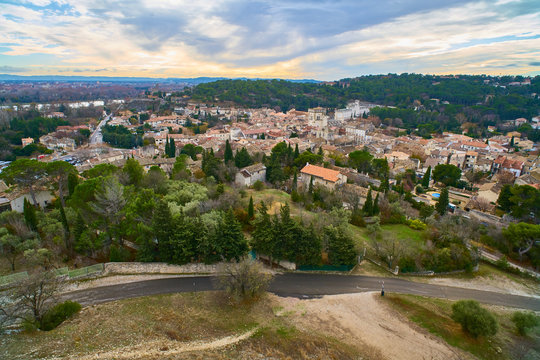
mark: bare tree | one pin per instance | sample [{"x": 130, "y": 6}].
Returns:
[
  {"x": 481, "y": 204},
  {"x": 244, "y": 280},
  {"x": 34, "y": 296},
  {"x": 505, "y": 178}
]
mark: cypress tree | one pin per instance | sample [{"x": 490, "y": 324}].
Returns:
[
  {"x": 340, "y": 246},
  {"x": 296, "y": 152},
  {"x": 29, "y": 212},
  {"x": 228, "y": 152},
  {"x": 67, "y": 233},
  {"x": 295, "y": 181},
  {"x": 442, "y": 203},
  {"x": 512, "y": 142},
  {"x": 251, "y": 210},
  {"x": 376, "y": 209},
  {"x": 310, "y": 190},
  {"x": 233, "y": 244},
  {"x": 172, "y": 148},
  {"x": 167, "y": 145},
  {"x": 79, "y": 228},
  {"x": 367, "y": 209},
  {"x": 162, "y": 227},
  {"x": 320, "y": 152},
  {"x": 426, "y": 178}
]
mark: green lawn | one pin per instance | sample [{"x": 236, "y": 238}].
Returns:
[{"x": 434, "y": 316}]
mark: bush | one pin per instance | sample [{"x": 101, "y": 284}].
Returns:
[
  {"x": 419, "y": 189},
  {"x": 59, "y": 314},
  {"x": 417, "y": 224},
  {"x": 524, "y": 321},
  {"x": 474, "y": 319},
  {"x": 119, "y": 254},
  {"x": 258, "y": 185},
  {"x": 407, "y": 264},
  {"x": 244, "y": 280}
]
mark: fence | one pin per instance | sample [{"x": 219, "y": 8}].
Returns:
[
  {"x": 326, "y": 268},
  {"x": 8, "y": 279},
  {"x": 85, "y": 271}
]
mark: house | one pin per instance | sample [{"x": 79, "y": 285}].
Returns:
[
  {"x": 322, "y": 176},
  {"x": 27, "y": 141},
  {"x": 502, "y": 163},
  {"x": 250, "y": 174},
  {"x": 16, "y": 199}
]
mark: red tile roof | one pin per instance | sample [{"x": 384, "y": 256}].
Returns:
[{"x": 326, "y": 174}]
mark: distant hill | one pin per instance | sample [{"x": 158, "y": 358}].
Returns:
[{"x": 62, "y": 78}]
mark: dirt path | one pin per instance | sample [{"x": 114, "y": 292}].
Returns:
[
  {"x": 165, "y": 348},
  {"x": 361, "y": 318}
]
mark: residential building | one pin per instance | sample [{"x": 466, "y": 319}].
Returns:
[
  {"x": 250, "y": 174},
  {"x": 321, "y": 176}
]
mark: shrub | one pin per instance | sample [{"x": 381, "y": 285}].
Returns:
[
  {"x": 258, "y": 185},
  {"x": 474, "y": 319},
  {"x": 407, "y": 264},
  {"x": 243, "y": 281},
  {"x": 295, "y": 196},
  {"x": 419, "y": 189},
  {"x": 417, "y": 224},
  {"x": 524, "y": 321},
  {"x": 119, "y": 254},
  {"x": 58, "y": 314}
]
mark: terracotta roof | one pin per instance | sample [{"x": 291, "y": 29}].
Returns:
[{"x": 326, "y": 174}]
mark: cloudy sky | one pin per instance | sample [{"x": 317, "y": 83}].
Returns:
[{"x": 317, "y": 39}]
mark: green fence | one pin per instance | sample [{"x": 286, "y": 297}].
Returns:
[
  {"x": 61, "y": 271},
  {"x": 326, "y": 268},
  {"x": 8, "y": 279},
  {"x": 89, "y": 270}
]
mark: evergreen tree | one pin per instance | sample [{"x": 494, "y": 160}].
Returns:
[
  {"x": 228, "y": 152},
  {"x": 73, "y": 180},
  {"x": 296, "y": 152},
  {"x": 67, "y": 232},
  {"x": 29, "y": 212},
  {"x": 504, "y": 198},
  {"x": 167, "y": 146},
  {"x": 242, "y": 158},
  {"x": 385, "y": 183},
  {"x": 426, "y": 178},
  {"x": 262, "y": 239},
  {"x": 310, "y": 190},
  {"x": 232, "y": 242},
  {"x": 320, "y": 152},
  {"x": 79, "y": 227},
  {"x": 376, "y": 209},
  {"x": 512, "y": 142},
  {"x": 341, "y": 249},
  {"x": 172, "y": 148},
  {"x": 307, "y": 247},
  {"x": 295, "y": 181},
  {"x": 442, "y": 203},
  {"x": 367, "y": 209},
  {"x": 186, "y": 238},
  {"x": 162, "y": 227},
  {"x": 251, "y": 210}
]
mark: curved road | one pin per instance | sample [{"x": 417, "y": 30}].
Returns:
[{"x": 303, "y": 285}]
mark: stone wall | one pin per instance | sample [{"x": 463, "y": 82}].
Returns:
[{"x": 157, "y": 268}]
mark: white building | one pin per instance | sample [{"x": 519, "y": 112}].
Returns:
[{"x": 250, "y": 174}]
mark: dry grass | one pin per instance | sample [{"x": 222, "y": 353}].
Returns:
[{"x": 175, "y": 326}]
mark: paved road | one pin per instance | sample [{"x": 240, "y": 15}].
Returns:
[
  {"x": 303, "y": 285},
  {"x": 97, "y": 136}
]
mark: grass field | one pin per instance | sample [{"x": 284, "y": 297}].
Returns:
[
  {"x": 434, "y": 316},
  {"x": 170, "y": 321}
]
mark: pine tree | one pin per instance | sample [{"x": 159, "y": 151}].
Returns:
[
  {"x": 376, "y": 209},
  {"x": 72, "y": 182},
  {"x": 233, "y": 244},
  {"x": 79, "y": 227},
  {"x": 426, "y": 178},
  {"x": 162, "y": 227},
  {"x": 251, "y": 210},
  {"x": 367, "y": 209},
  {"x": 296, "y": 152},
  {"x": 262, "y": 239},
  {"x": 341, "y": 249},
  {"x": 29, "y": 212},
  {"x": 228, "y": 152},
  {"x": 504, "y": 198},
  {"x": 242, "y": 158},
  {"x": 442, "y": 203}
]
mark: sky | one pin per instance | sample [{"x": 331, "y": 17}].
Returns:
[{"x": 318, "y": 39}]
